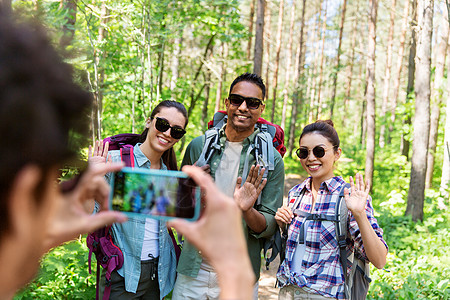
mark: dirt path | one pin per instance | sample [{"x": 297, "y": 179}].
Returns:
[{"x": 267, "y": 279}]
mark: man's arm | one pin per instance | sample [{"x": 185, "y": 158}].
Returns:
[{"x": 246, "y": 195}]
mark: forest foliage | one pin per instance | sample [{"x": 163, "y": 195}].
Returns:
[{"x": 132, "y": 54}]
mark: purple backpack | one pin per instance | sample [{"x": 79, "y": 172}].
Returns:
[
  {"x": 100, "y": 242},
  {"x": 108, "y": 255},
  {"x": 124, "y": 142}
]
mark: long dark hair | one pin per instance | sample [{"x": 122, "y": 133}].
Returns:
[{"x": 169, "y": 158}]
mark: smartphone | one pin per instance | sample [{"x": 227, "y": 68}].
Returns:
[{"x": 159, "y": 194}]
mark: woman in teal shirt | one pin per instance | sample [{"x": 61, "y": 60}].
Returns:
[{"x": 148, "y": 270}]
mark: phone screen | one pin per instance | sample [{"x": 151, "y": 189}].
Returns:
[{"x": 155, "y": 193}]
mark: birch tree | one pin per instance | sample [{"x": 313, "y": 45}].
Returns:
[
  {"x": 445, "y": 177},
  {"x": 416, "y": 193},
  {"x": 259, "y": 38},
  {"x": 399, "y": 67},
  {"x": 297, "y": 81},
  {"x": 288, "y": 66},
  {"x": 387, "y": 75},
  {"x": 436, "y": 98},
  {"x": 370, "y": 92},
  {"x": 250, "y": 28},
  {"x": 338, "y": 58},
  {"x": 277, "y": 58}
]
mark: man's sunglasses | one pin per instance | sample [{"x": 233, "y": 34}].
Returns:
[
  {"x": 318, "y": 152},
  {"x": 162, "y": 125},
  {"x": 252, "y": 103}
]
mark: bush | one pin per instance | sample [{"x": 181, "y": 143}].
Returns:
[{"x": 64, "y": 274}]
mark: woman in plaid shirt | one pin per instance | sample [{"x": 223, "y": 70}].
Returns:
[{"x": 312, "y": 270}]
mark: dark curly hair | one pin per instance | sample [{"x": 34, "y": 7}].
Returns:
[{"x": 41, "y": 108}]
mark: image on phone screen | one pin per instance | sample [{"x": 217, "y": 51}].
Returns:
[{"x": 155, "y": 193}]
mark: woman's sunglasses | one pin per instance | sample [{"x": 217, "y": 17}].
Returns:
[
  {"x": 318, "y": 152},
  {"x": 252, "y": 103},
  {"x": 162, "y": 125}
]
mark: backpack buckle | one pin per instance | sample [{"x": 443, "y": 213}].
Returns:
[{"x": 107, "y": 282}]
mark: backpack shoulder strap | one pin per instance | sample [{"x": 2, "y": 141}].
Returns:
[
  {"x": 341, "y": 213},
  {"x": 264, "y": 154},
  {"x": 127, "y": 156},
  {"x": 210, "y": 145},
  {"x": 176, "y": 246},
  {"x": 276, "y": 244},
  {"x": 264, "y": 150}
]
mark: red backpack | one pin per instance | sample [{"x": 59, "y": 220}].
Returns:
[{"x": 275, "y": 130}]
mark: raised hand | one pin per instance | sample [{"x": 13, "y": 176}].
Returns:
[
  {"x": 246, "y": 195},
  {"x": 356, "y": 201},
  {"x": 283, "y": 215},
  {"x": 98, "y": 153}
]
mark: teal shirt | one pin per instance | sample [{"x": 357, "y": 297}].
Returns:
[
  {"x": 271, "y": 200},
  {"x": 129, "y": 237}
]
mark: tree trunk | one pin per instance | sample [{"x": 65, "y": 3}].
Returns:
[
  {"x": 338, "y": 57},
  {"x": 387, "y": 76},
  {"x": 268, "y": 33},
  {"x": 370, "y": 94},
  {"x": 416, "y": 193},
  {"x": 297, "y": 81},
  {"x": 204, "y": 119},
  {"x": 68, "y": 28},
  {"x": 194, "y": 95},
  {"x": 175, "y": 62},
  {"x": 319, "y": 89},
  {"x": 259, "y": 38},
  {"x": 312, "y": 77},
  {"x": 250, "y": 28},
  {"x": 399, "y": 68},
  {"x": 99, "y": 77},
  {"x": 436, "y": 98},
  {"x": 277, "y": 58},
  {"x": 363, "y": 123},
  {"x": 445, "y": 178},
  {"x": 352, "y": 63},
  {"x": 288, "y": 66},
  {"x": 161, "y": 67},
  {"x": 221, "y": 77},
  {"x": 405, "y": 144}
]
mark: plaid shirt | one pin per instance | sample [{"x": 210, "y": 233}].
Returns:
[{"x": 321, "y": 271}]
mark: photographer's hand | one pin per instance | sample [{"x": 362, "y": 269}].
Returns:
[
  {"x": 72, "y": 219},
  {"x": 219, "y": 236}
]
